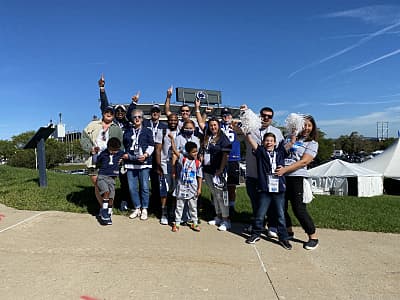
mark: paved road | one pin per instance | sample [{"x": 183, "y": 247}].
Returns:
[{"x": 55, "y": 255}]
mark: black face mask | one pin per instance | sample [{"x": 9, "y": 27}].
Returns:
[{"x": 187, "y": 132}]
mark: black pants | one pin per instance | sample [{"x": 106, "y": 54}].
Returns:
[{"x": 294, "y": 194}]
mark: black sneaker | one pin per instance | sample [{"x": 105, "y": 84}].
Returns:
[
  {"x": 311, "y": 244},
  {"x": 285, "y": 244},
  {"x": 253, "y": 239}
]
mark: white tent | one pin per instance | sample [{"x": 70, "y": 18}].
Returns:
[
  {"x": 387, "y": 163},
  {"x": 343, "y": 178}
]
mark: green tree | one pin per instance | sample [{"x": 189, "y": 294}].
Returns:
[{"x": 7, "y": 149}]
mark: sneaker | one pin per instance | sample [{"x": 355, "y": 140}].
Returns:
[
  {"x": 272, "y": 234},
  {"x": 124, "y": 206},
  {"x": 217, "y": 221},
  {"x": 285, "y": 244},
  {"x": 311, "y": 244},
  {"x": 175, "y": 228},
  {"x": 135, "y": 214},
  {"x": 225, "y": 225},
  {"x": 109, "y": 221},
  {"x": 104, "y": 217},
  {"x": 195, "y": 227},
  {"x": 164, "y": 220},
  {"x": 143, "y": 215},
  {"x": 253, "y": 239}
]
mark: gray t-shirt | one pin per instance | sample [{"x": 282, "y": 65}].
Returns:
[
  {"x": 180, "y": 142},
  {"x": 251, "y": 162},
  {"x": 166, "y": 151},
  {"x": 296, "y": 153},
  {"x": 188, "y": 171}
]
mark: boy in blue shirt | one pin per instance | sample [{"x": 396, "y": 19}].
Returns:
[{"x": 108, "y": 162}]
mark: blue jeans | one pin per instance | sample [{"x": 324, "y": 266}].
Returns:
[
  {"x": 138, "y": 180},
  {"x": 252, "y": 192},
  {"x": 264, "y": 201}
]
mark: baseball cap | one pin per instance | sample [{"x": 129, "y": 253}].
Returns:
[
  {"x": 120, "y": 106},
  {"x": 109, "y": 108},
  {"x": 225, "y": 111},
  {"x": 156, "y": 108}
]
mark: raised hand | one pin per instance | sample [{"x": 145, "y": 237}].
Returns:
[
  {"x": 101, "y": 81},
  {"x": 135, "y": 98},
  {"x": 169, "y": 92}
]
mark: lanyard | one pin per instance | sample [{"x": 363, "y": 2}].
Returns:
[{"x": 272, "y": 160}]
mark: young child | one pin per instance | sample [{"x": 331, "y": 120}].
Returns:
[
  {"x": 271, "y": 188},
  {"x": 108, "y": 162},
  {"x": 188, "y": 186}
]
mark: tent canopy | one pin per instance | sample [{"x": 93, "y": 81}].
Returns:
[
  {"x": 387, "y": 163},
  {"x": 343, "y": 178}
]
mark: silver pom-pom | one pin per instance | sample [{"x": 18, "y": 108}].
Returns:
[
  {"x": 250, "y": 121},
  {"x": 294, "y": 123}
]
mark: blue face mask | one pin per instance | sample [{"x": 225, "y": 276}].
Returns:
[{"x": 187, "y": 132}]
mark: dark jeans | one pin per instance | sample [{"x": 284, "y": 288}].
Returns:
[
  {"x": 264, "y": 201},
  {"x": 124, "y": 192},
  {"x": 294, "y": 194},
  {"x": 251, "y": 188}
]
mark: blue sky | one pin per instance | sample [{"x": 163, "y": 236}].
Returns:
[{"x": 336, "y": 60}]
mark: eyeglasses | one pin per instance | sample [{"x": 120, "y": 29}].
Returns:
[
  {"x": 266, "y": 116},
  {"x": 185, "y": 111},
  {"x": 136, "y": 117}
]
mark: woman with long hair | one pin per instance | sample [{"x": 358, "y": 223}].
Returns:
[{"x": 303, "y": 148}]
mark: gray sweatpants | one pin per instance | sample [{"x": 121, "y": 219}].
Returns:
[
  {"x": 220, "y": 208},
  {"x": 180, "y": 203}
]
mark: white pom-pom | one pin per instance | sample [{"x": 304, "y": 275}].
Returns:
[
  {"x": 250, "y": 121},
  {"x": 294, "y": 123}
]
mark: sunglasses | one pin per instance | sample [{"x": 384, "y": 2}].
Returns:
[
  {"x": 226, "y": 115},
  {"x": 266, "y": 116},
  {"x": 185, "y": 111},
  {"x": 136, "y": 117},
  {"x": 103, "y": 135}
]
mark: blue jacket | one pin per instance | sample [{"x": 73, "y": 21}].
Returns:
[
  {"x": 264, "y": 167},
  {"x": 145, "y": 140}
]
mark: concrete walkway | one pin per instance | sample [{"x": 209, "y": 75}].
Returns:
[{"x": 55, "y": 255}]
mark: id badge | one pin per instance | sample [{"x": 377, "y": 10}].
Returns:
[
  {"x": 207, "y": 159},
  {"x": 273, "y": 184},
  {"x": 136, "y": 151}
]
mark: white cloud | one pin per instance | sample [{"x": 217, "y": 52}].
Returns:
[
  {"x": 375, "y": 14},
  {"x": 360, "y": 103},
  {"x": 349, "y": 48},
  {"x": 364, "y": 124},
  {"x": 361, "y": 66}
]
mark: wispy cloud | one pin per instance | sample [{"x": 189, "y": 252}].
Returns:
[
  {"x": 346, "y": 36},
  {"x": 373, "y": 61},
  {"x": 374, "y": 14},
  {"x": 389, "y": 96},
  {"x": 360, "y": 103},
  {"x": 390, "y": 115},
  {"x": 347, "y": 49}
]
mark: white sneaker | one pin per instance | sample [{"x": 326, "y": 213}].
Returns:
[
  {"x": 272, "y": 234},
  {"x": 225, "y": 225},
  {"x": 135, "y": 214},
  {"x": 164, "y": 220},
  {"x": 143, "y": 216},
  {"x": 217, "y": 221}
]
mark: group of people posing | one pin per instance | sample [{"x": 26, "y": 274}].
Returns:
[{"x": 178, "y": 156}]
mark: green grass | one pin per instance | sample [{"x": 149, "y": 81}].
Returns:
[{"x": 19, "y": 188}]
